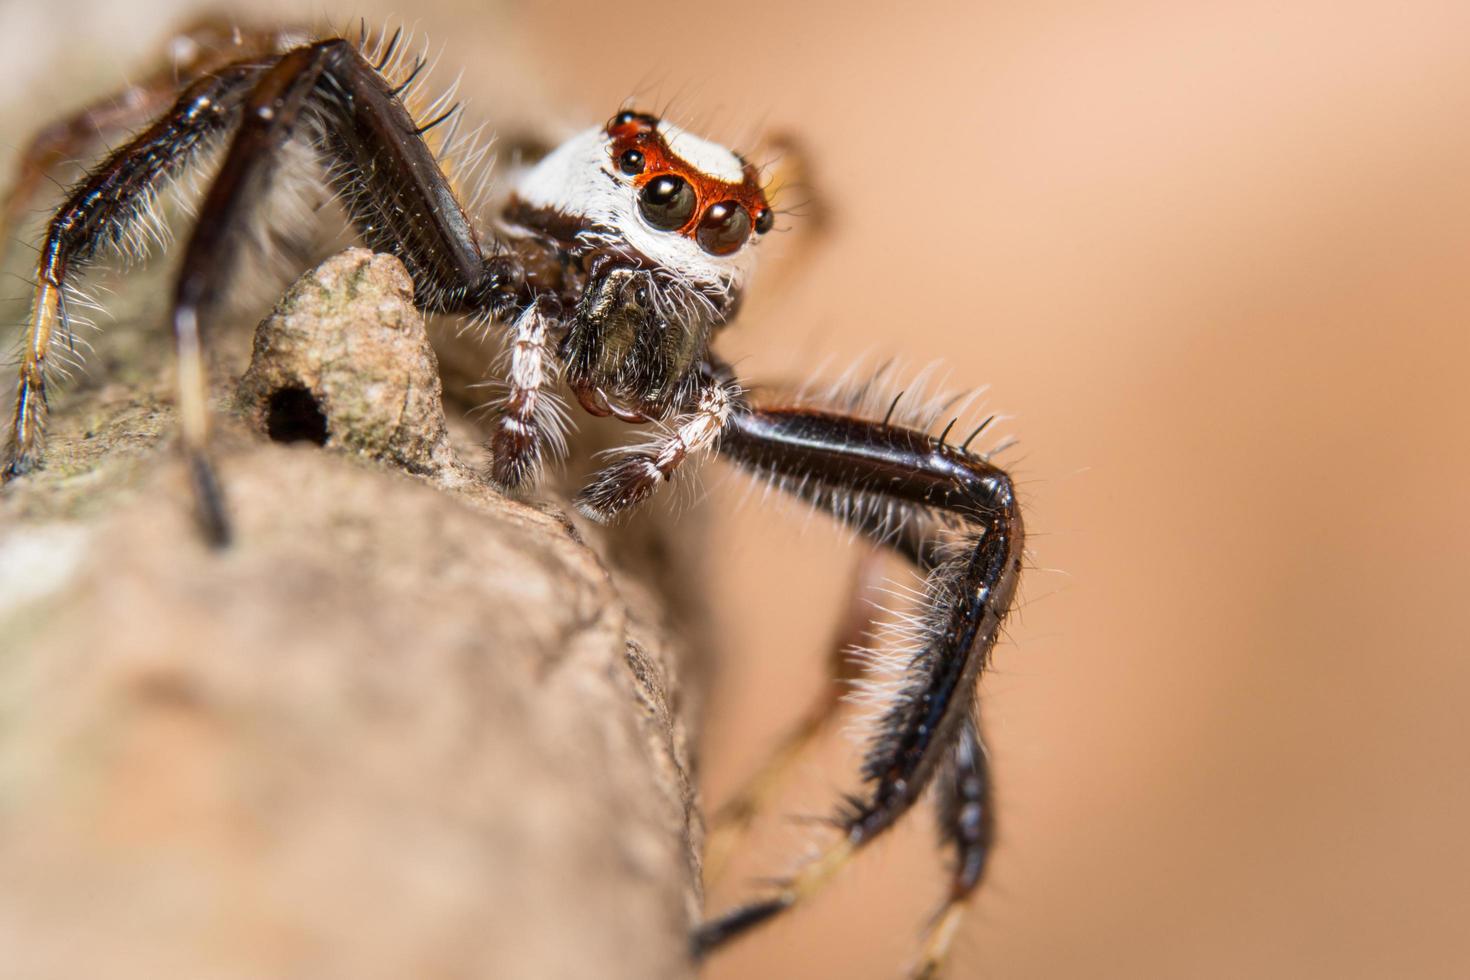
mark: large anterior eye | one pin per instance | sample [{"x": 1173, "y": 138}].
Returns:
[
  {"x": 667, "y": 202},
  {"x": 724, "y": 228}
]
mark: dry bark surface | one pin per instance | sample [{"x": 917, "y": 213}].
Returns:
[{"x": 404, "y": 727}]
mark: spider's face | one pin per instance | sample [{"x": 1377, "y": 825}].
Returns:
[
  {"x": 687, "y": 185},
  {"x": 688, "y": 206}
]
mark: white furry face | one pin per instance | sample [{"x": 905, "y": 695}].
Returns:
[{"x": 606, "y": 179}]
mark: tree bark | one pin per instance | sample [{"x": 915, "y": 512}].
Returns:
[{"x": 403, "y": 727}]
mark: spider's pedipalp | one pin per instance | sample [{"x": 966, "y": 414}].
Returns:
[{"x": 640, "y": 469}]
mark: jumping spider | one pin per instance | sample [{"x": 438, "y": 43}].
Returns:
[{"x": 614, "y": 263}]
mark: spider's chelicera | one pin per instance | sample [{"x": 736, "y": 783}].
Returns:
[{"x": 613, "y": 265}]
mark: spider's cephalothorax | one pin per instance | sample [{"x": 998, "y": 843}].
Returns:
[
  {"x": 641, "y": 237},
  {"x": 611, "y": 267}
]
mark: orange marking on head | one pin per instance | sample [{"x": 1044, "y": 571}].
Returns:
[{"x": 639, "y": 150}]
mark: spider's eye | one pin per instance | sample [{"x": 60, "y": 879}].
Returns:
[
  {"x": 764, "y": 221},
  {"x": 628, "y": 117},
  {"x": 724, "y": 228},
  {"x": 631, "y": 162},
  {"x": 667, "y": 202}
]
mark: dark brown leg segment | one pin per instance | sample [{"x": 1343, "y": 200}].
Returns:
[
  {"x": 199, "y": 49},
  {"x": 967, "y": 825},
  {"x": 886, "y": 480},
  {"x": 74, "y": 137},
  {"x": 98, "y": 214},
  {"x": 394, "y": 191}
]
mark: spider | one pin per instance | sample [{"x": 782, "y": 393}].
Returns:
[{"x": 613, "y": 265}]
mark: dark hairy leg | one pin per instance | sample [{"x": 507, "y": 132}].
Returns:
[
  {"x": 967, "y": 825},
  {"x": 97, "y": 214},
  {"x": 389, "y": 180},
  {"x": 200, "y": 48},
  {"x": 391, "y": 185},
  {"x": 858, "y": 470},
  {"x": 75, "y": 136}
]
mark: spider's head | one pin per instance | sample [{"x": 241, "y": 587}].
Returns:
[
  {"x": 675, "y": 202},
  {"x": 679, "y": 217},
  {"x": 688, "y": 186}
]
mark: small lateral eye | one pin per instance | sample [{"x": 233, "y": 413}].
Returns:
[
  {"x": 667, "y": 202},
  {"x": 631, "y": 162},
  {"x": 624, "y": 117},
  {"x": 764, "y": 221},
  {"x": 724, "y": 228}
]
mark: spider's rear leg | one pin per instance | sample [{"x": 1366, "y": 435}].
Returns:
[
  {"x": 393, "y": 189},
  {"x": 97, "y": 214},
  {"x": 856, "y": 470},
  {"x": 75, "y": 136},
  {"x": 200, "y": 48},
  {"x": 389, "y": 180},
  {"x": 732, "y": 821}
]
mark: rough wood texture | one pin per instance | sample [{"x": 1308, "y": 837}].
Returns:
[{"x": 405, "y": 728}]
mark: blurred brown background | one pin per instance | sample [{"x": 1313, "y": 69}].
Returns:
[{"x": 1211, "y": 258}]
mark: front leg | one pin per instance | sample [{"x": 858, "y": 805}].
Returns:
[
  {"x": 956, "y": 516},
  {"x": 966, "y": 824},
  {"x": 385, "y": 174}
]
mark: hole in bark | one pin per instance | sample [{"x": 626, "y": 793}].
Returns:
[{"x": 294, "y": 415}]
